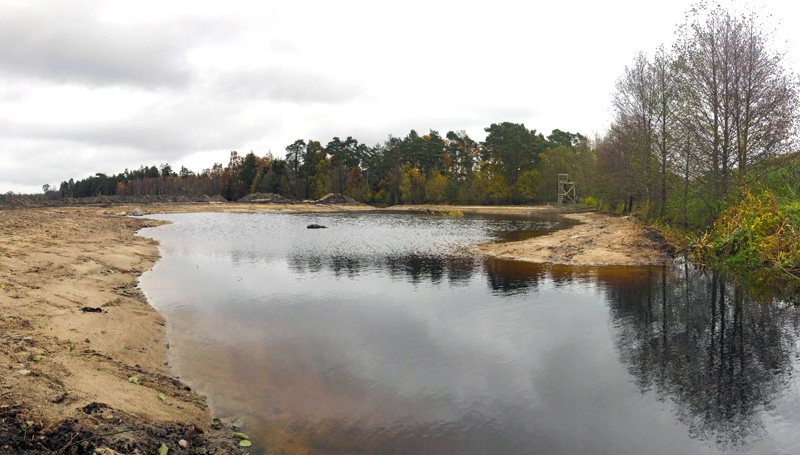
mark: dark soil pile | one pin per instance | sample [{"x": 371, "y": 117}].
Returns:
[
  {"x": 266, "y": 198},
  {"x": 106, "y": 428},
  {"x": 338, "y": 199}
]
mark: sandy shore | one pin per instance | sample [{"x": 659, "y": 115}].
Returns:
[
  {"x": 599, "y": 240},
  {"x": 75, "y": 330},
  {"x": 82, "y": 354}
]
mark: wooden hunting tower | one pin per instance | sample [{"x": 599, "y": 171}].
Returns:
[{"x": 566, "y": 189}]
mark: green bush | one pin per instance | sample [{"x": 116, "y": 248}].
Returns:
[{"x": 756, "y": 235}]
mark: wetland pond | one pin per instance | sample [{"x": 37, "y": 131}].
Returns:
[{"x": 386, "y": 334}]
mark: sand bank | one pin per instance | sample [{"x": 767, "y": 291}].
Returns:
[{"x": 599, "y": 240}]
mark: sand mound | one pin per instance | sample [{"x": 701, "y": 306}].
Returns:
[
  {"x": 337, "y": 199},
  {"x": 214, "y": 198},
  {"x": 266, "y": 198}
]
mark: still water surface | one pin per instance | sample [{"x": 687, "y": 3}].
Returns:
[{"x": 385, "y": 334}]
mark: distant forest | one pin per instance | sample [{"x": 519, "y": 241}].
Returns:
[{"x": 513, "y": 165}]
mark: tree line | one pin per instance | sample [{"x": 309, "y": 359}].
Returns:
[
  {"x": 151, "y": 180},
  {"x": 512, "y": 165}
]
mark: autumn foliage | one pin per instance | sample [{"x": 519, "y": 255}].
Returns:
[
  {"x": 754, "y": 234},
  {"x": 513, "y": 165}
]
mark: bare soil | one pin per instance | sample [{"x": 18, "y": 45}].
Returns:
[{"x": 74, "y": 329}]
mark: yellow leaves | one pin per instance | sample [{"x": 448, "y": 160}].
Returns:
[
  {"x": 498, "y": 190},
  {"x": 436, "y": 188},
  {"x": 754, "y": 233}
]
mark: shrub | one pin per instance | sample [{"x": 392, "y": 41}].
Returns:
[{"x": 753, "y": 235}]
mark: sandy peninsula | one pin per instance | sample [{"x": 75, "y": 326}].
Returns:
[{"x": 599, "y": 240}]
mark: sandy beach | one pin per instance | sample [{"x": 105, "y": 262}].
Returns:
[{"x": 81, "y": 352}]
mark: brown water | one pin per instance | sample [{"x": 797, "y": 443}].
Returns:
[{"x": 384, "y": 334}]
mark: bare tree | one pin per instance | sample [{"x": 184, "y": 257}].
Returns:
[
  {"x": 665, "y": 101},
  {"x": 764, "y": 101},
  {"x": 739, "y": 103},
  {"x": 619, "y": 181},
  {"x": 634, "y": 126}
]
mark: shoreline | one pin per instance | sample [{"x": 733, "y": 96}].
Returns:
[
  {"x": 68, "y": 373},
  {"x": 82, "y": 352},
  {"x": 599, "y": 240}
]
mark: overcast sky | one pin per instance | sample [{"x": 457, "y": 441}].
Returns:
[{"x": 92, "y": 86}]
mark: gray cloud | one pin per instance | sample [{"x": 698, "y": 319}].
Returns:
[
  {"x": 163, "y": 136},
  {"x": 78, "y": 152},
  {"x": 66, "y": 43},
  {"x": 285, "y": 84},
  {"x": 38, "y": 153}
]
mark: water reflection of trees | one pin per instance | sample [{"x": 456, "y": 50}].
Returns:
[
  {"x": 707, "y": 346},
  {"x": 502, "y": 276},
  {"x": 415, "y": 268},
  {"x": 698, "y": 341}
]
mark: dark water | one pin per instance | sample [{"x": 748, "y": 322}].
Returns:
[{"x": 384, "y": 334}]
